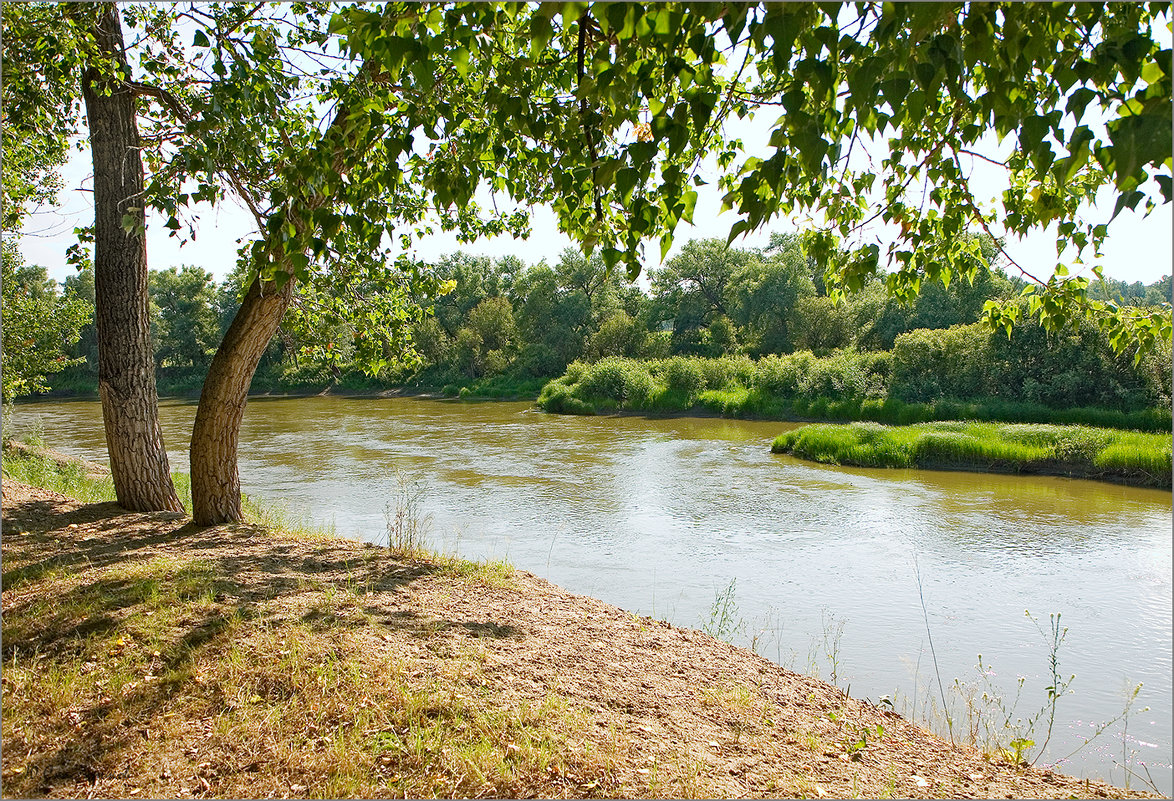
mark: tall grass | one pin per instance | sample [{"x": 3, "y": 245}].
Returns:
[
  {"x": 68, "y": 477},
  {"x": 1136, "y": 458},
  {"x": 846, "y": 386}
]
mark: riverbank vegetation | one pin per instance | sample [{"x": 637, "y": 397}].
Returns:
[
  {"x": 723, "y": 329},
  {"x": 1081, "y": 451},
  {"x": 924, "y": 378},
  {"x": 147, "y": 656}
]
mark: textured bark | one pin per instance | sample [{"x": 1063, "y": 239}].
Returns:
[
  {"x": 126, "y": 361},
  {"x": 216, "y": 486}
]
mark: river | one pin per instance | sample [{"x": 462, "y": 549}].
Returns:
[{"x": 824, "y": 568}]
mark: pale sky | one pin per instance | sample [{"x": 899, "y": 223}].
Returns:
[{"x": 1138, "y": 248}]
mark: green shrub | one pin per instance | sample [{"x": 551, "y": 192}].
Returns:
[
  {"x": 727, "y": 372},
  {"x": 784, "y": 376},
  {"x": 624, "y": 382},
  {"x": 684, "y": 375}
]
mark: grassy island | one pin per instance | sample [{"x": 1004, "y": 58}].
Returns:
[{"x": 1129, "y": 457}]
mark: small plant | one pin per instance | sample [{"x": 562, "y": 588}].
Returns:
[
  {"x": 724, "y": 623},
  {"x": 407, "y": 527},
  {"x": 1059, "y": 686},
  {"x": 35, "y": 436},
  {"x": 857, "y": 741},
  {"x": 1127, "y": 753},
  {"x": 771, "y": 629},
  {"x": 1016, "y": 750},
  {"x": 832, "y": 629}
]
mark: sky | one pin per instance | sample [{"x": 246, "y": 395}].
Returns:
[{"x": 1138, "y": 248}]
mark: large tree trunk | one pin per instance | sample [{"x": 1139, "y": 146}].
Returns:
[
  {"x": 216, "y": 486},
  {"x": 126, "y": 360}
]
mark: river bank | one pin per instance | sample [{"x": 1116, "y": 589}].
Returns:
[
  {"x": 845, "y": 387},
  {"x": 145, "y": 656}
]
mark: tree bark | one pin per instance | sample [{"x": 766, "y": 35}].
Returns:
[
  {"x": 216, "y": 486},
  {"x": 126, "y": 360}
]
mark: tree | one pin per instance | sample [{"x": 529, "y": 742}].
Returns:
[
  {"x": 618, "y": 335},
  {"x": 126, "y": 375},
  {"x": 56, "y": 57},
  {"x": 38, "y": 325},
  {"x": 764, "y": 294},
  {"x": 81, "y": 287},
  {"x": 188, "y": 326},
  {"x": 473, "y": 279},
  {"x": 486, "y": 343},
  {"x": 553, "y": 323},
  {"x": 606, "y": 110},
  {"x": 694, "y": 288}
]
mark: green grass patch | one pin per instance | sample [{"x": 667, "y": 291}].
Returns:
[
  {"x": 69, "y": 477},
  {"x": 73, "y": 477},
  {"x": 1128, "y": 456}
]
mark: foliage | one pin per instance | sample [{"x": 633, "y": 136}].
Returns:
[
  {"x": 1068, "y": 369},
  {"x": 1135, "y": 458},
  {"x": 38, "y": 326},
  {"x": 186, "y": 330},
  {"x": 1079, "y": 95},
  {"x": 766, "y": 292},
  {"x": 37, "y": 109},
  {"x": 847, "y": 385}
]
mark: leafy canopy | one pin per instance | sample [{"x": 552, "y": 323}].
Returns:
[
  {"x": 345, "y": 127},
  {"x": 606, "y": 110}
]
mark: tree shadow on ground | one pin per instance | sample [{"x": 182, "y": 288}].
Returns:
[{"x": 219, "y": 576}]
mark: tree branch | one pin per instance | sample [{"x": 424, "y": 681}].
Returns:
[
  {"x": 169, "y": 100},
  {"x": 583, "y": 109}
]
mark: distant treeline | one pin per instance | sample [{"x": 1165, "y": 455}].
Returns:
[{"x": 509, "y": 326}]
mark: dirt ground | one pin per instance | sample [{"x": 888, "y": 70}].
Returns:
[{"x": 674, "y": 711}]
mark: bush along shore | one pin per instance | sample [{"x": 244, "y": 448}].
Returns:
[
  {"x": 1128, "y": 457},
  {"x": 144, "y": 656},
  {"x": 846, "y": 386}
]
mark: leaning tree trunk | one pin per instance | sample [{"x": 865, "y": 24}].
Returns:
[
  {"x": 126, "y": 360},
  {"x": 216, "y": 486}
]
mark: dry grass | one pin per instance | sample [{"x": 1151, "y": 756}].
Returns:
[{"x": 162, "y": 677}]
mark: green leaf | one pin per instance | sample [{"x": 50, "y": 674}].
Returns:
[
  {"x": 540, "y": 34},
  {"x": 736, "y": 230},
  {"x": 626, "y": 180},
  {"x": 1139, "y": 142},
  {"x": 460, "y": 60},
  {"x": 689, "y": 199}
]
